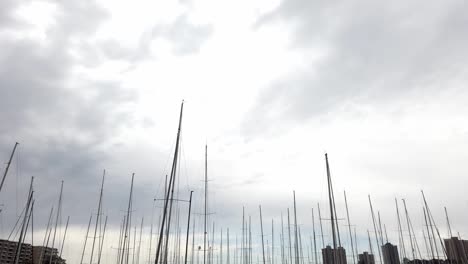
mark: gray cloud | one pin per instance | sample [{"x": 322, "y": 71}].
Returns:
[
  {"x": 66, "y": 123},
  {"x": 184, "y": 37},
  {"x": 187, "y": 38},
  {"x": 375, "y": 52}
]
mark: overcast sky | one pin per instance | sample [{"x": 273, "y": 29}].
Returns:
[{"x": 270, "y": 86}]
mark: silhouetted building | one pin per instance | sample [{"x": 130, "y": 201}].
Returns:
[
  {"x": 366, "y": 258},
  {"x": 28, "y": 254},
  {"x": 456, "y": 250},
  {"x": 329, "y": 255},
  {"x": 390, "y": 254}
]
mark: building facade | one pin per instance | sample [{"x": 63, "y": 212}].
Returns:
[
  {"x": 456, "y": 250},
  {"x": 366, "y": 258},
  {"x": 390, "y": 254},
  {"x": 28, "y": 254},
  {"x": 329, "y": 255}
]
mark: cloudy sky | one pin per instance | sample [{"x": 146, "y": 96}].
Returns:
[{"x": 270, "y": 86}]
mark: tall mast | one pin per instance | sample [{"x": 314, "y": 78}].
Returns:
[
  {"x": 289, "y": 240},
  {"x": 433, "y": 235},
  {"x": 380, "y": 229},
  {"x": 448, "y": 223},
  {"x": 134, "y": 244},
  {"x": 45, "y": 236},
  {"x": 250, "y": 240},
  {"x": 315, "y": 241},
  {"x": 370, "y": 243},
  {"x": 119, "y": 247},
  {"x": 432, "y": 222},
  {"x": 332, "y": 217},
  {"x": 300, "y": 248},
  {"x": 98, "y": 216},
  {"x": 282, "y": 240},
  {"x": 243, "y": 244},
  {"x": 59, "y": 209},
  {"x": 171, "y": 182},
  {"x": 349, "y": 228},
  {"x": 409, "y": 229},
  {"x": 321, "y": 226},
  {"x": 151, "y": 232},
  {"x": 428, "y": 234},
  {"x": 261, "y": 230},
  {"x": 336, "y": 215},
  {"x": 86, "y": 239},
  {"x": 375, "y": 229},
  {"x": 24, "y": 225},
  {"x": 227, "y": 255},
  {"x": 127, "y": 231},
  {"x": 386, "y": 235},
  {"x": 221, "y": 248},
  {"x": 206, "y": 204},
  {"x": 64, "y": 236},
  {"x": 355, "y": 240},
  {"x": 139, "y": 242},
  {"x": 8, "y": 166},
  {"x": 400, "y": 232},
  {"x": 295, "y": 230},
  {"x": 188, "y": 227},
  {"x": 272, "y": 243},
  {"x": 193, "y": 243},
  {"x": 102, "y": 242},
  {"x": 212, "y": 245}
]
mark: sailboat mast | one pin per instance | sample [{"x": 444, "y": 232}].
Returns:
[
  {"x": 295, "y": 230},
  {"x": 127, "y": 231},
  {"x": 321, "y": 226},
  {"x": 64, "y": 236},
  {"x": 356, "y": 241},
  {"x": 370, "y": 243},
  {"x": 403, "y": 251},
  {"x": 380, "y": 229},
  {"x": 432, "y": 223},
  {"x": 332, "y": 218},
  {"x": 428, "y": 234},
  {"x": 227, "y": 257},
  {"x": 409, "y": 229},
  {"x": 282, "y": 240},
  {"x": 448, "y": 222},
  {"x": 250, "y": 240},
  {"x": 97, "y": 216},
  {"x": 173, "y": 173},
  {"x": 139, "y": 242},
  {"x": 206, "y": 204},
  {"x": 272, "y": 242},
  {"x": 349, "y": 227},
  {"x": 8, "y": 166},
  {"x": 315, "y": 240},
  {"x": 59, "y": 209},
  {"x": 188, "y": 227},
  {"x": 289, "y": 240},
  {"x": 86, "y": 239},
  {"x": 45, "y": 236},
  {"x": 261, "y": 230},
  {"x": 102, "y": 242},
  {"x": 375, "y": 229},
  {"x": 221, "y": 248}
]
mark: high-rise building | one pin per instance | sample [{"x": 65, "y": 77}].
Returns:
[
  {"x": 456, "y": 250},
  {"x": 29, "y": 254},
  {"x": 390, "y": 254},
  {"x": 329, "y": 254},
  {"x": 366, "y": 258}
]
